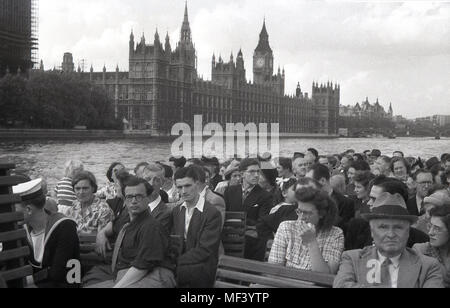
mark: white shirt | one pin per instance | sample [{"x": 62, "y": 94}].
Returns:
[
  {"x": 393, "y": 269},
  {"x": 203, "y": 193},
  {"x": 154, "y": 204},
  {"x": 419, "y": 203},
  {"x": 190, "y": 211},
  {"x": 38, "y": 246}
]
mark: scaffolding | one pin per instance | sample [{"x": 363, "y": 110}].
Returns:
[{"x": 35, "y": 33}]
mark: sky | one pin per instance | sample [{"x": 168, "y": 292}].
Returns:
[{"x": 397, "y": 52}]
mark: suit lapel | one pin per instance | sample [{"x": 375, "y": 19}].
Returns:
[
  {"x": 409, "y": 271},
  {"x": 365, "y": 265},
  {"x": 194, "y": 227},
  {"x": 180, "y": 223}
]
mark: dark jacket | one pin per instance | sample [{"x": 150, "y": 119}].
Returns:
[
  {"x": 346, "y": 210},
  {"x": 268, "y": 225},
  {"x": 162, "y": 213},
  {"x": 61, "y": 245},
  {"x": 257, "y": 206},
  {"x": 197, "y": 263},
  {"x": 411, "y": 205}
]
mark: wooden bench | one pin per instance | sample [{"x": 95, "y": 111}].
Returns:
[
  {"x": 240, "y": 273},
  {"x": 233, "y": 234},
  {"x": 13, "y": 267}
]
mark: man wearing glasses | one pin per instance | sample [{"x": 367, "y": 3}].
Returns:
[
  {"x": 140, "y": 258},
  {"x": 253, "y": 200},
  {"x": 424, "y": 180}
]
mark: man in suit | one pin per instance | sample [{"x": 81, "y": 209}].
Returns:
[
  {"x": 253, "y": 200},
  {"x": 346, "y": 206},
  {"x": 389, "y": 264},
  {"x": 424, "y": 180},
  {"x": 199, "y": 225},
  {"x": 205, "y": 192},
  {"x": 159, "y": 210}
]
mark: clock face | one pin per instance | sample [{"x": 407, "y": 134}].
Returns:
[{"x": 260, "y": 62}]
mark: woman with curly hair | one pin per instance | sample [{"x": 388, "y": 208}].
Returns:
[
  {"x": 439, "y": 245},
  {"x": 311, "y": 242}
]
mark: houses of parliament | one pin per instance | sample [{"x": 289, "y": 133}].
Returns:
[{"x": 163, "y": 88}]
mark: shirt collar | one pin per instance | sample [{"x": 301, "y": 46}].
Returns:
[
  {"x": 199, "y": 206},
  {"x": 153, "y": 205},
  {"x": 395, "y": 261},
  {"x": 249, "y": 189},
  {"x": 203, "y": 193}
]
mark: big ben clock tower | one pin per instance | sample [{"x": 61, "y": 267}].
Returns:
[{"x": 263, "y": 59}]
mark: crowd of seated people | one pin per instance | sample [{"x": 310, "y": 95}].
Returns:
[{"x": 161, "y": 224}]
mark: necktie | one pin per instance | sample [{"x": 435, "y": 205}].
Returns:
[
  {"x": 117, "y": 246},
  {"x": 385, "y": 274},
  {"x": 422, "y": 209}
]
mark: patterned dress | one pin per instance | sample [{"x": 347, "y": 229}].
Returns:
[
  {"x": 288, "y": 248},
  {"x": 90, "y": 219}
]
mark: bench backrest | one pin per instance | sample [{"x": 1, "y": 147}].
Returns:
[
  {"x": 238, "y": 273},
  {"x": 13, "y": 268},
  {"x": 233, "y": 234}
]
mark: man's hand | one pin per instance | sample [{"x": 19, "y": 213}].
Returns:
[{"x": 102, "y": 245}]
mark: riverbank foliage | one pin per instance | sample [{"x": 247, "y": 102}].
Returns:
[{"x": 53, "y": 100}]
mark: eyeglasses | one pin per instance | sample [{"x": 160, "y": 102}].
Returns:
[
  {"x": 301, "y": 213},
  {"x": 138, "y": 198},
  {"x": 253, "y": 171},
  {"x": 435, "y": 229}
]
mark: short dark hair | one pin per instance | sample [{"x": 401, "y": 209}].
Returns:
[
  {"x": 143, "y": 164},
  {"x": 187, "y": 172},
  {"x": 178, "y": 162},
  {"x": 364, "y": 178},
  {"x": 134, "y": 181},
  {"x": 168, "y": 172},
  {"x": 314, "y": 152},
  {"x": 391, "y": 185},
  {"x": 400, "y": 152},
  {"x": 420, "y": 171},
  {"x": 85, "y": 175},
  {"x": 38, "y": 201},
  {"x": 320, "y": 171},
  {"x": 323, "y": 203},
  {"x": 436, "y": 169},
  {"x": 270, "y": 175},
  {"x": 360, "y": 165},
  {"x": 286, "y": 163},
  {"x": 308, "y": 181},
  {"x": 443, "y": 212},
  {"x": 110, "y": 170},
  {"x": 287, "y": 185},
  {"x": 247, "y": 162},
  {"x": 298, "y": 155},
  {"x": 201, "y": 173},
  {"x": 123, "y": 177}
]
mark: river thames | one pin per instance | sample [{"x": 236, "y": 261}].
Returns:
[{"x": 47, "y": 158}]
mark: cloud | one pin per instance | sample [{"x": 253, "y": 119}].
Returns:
[{"x": 397, "y": 51}]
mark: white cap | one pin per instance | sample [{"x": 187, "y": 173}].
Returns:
[{"x": 29, "y": 190}]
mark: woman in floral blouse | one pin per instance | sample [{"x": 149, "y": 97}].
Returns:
[
  {"x": 90, "y": 213},
  {"x": 311, "y": 242}
]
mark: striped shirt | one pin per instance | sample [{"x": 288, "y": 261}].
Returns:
[{"x": 65, "y": 195}]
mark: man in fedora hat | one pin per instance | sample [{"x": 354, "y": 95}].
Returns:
[{"x": 389, "y": 263}]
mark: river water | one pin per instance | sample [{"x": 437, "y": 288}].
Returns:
[{"x": 47, "y": 158}]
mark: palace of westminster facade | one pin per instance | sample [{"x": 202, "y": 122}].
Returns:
[{"x": 162, "y": 88}]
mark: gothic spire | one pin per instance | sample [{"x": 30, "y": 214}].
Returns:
[
  {"x": 263, "y": 44},
  {"x": 186, "y": 28}
]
